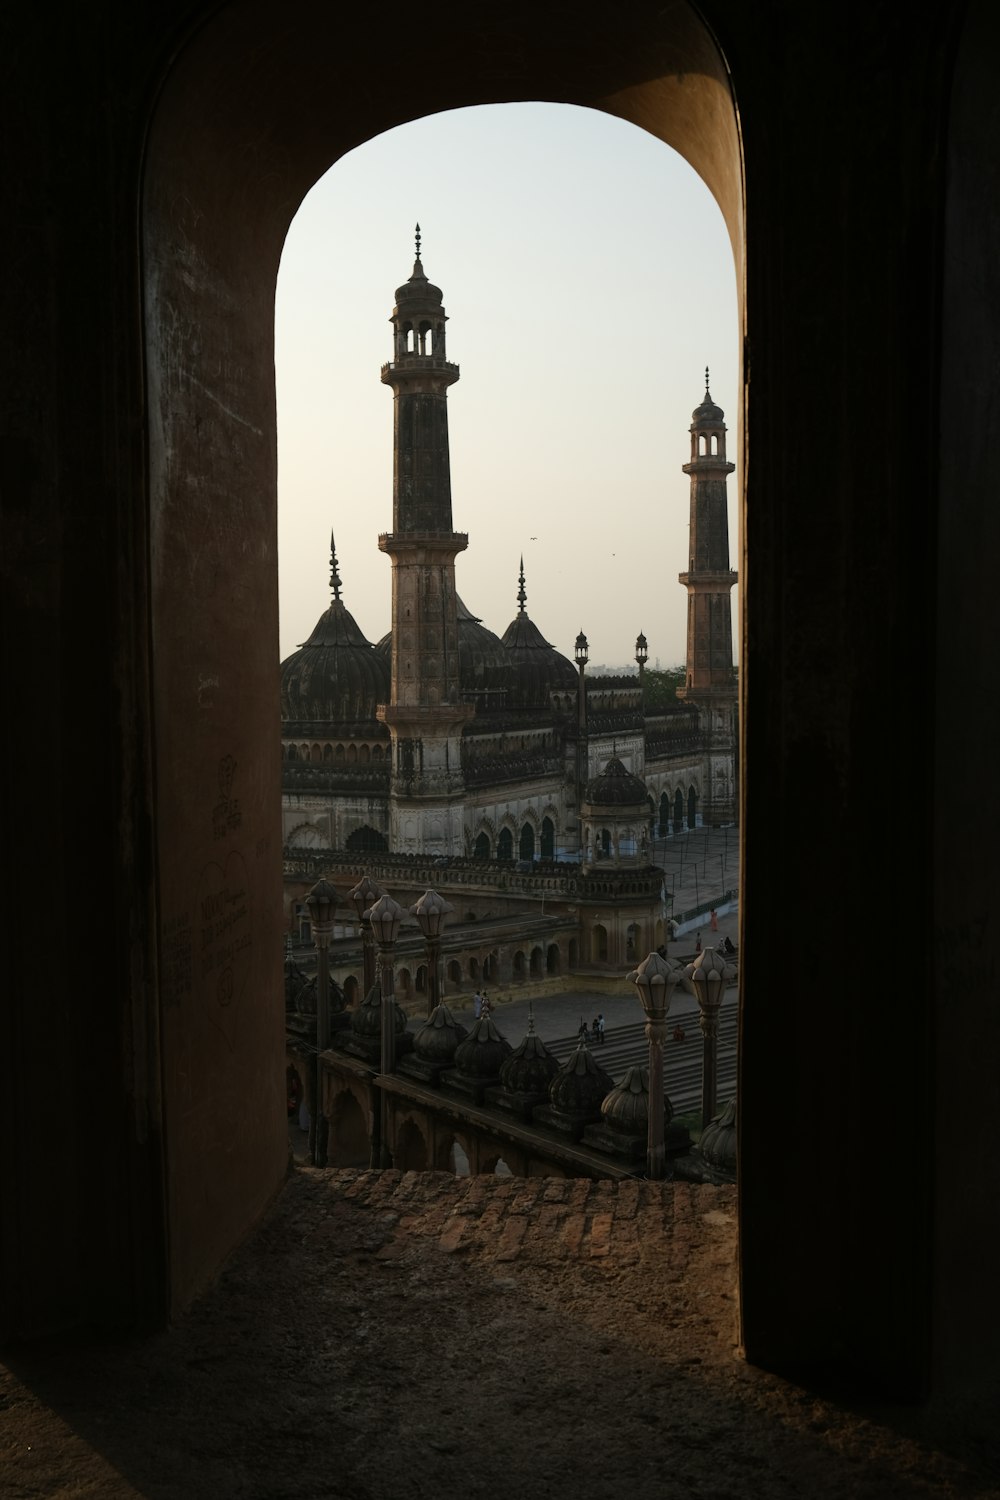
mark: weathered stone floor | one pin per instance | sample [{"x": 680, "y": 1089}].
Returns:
[{"x": 418, "y": 1335}]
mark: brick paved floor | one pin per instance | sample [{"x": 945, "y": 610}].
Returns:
[{"x": 417, "y": 1335}]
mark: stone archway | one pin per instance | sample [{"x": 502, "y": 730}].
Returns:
[{"x": 235, "y": 144}]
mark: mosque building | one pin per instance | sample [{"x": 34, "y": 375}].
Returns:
[{"x": 445, "y": 742}]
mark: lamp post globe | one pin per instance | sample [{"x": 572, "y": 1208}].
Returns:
[{"x": 656, "y": 979}]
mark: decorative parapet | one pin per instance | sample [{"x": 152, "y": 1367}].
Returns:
[
  {"x": 546, "y": 877},
  {"x": 333, "y": 776},
  {"x": 493, "y": 769}
]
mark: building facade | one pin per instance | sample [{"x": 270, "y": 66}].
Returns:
[{"x": 446, "y": 740}]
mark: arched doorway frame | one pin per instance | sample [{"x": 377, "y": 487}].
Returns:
[{"x": 236, "y": 141}]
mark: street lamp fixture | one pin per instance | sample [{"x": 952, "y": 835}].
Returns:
[
  {"x": 656, "y": 979},
  {"x": 322, "y": 904},
  {"x": 430, "y": 911},
  {"x": 709, "y": 974},
  {"x": 364, "y": 896},
  {"x": 385, "y": 917}
]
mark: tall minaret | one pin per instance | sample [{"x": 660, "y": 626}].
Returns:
[
  {"x": 425, "y": 715},
  {"x": 710, "y": 681}
]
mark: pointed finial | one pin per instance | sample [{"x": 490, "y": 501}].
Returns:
[
  {"x": 531, "y": 1019},
  {"x": 418, "y": 241},
  {"x": 334, "y": 574},
  {"x": 522, "y": 597},
  {"x": 707, "y": 391}
]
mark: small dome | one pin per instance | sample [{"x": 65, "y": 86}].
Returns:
[
  {"x": 616, "y": 787},
  {"x": 718, "y": 1140},
  {"x": 531, "y": 1067},
  {"x": 336, "y": 676},
  {"x": 438, "y": 1038},
  {"x": 366, "y": 1021},
  {"x": 626, "y": 1108},
  {"x": 483, "y": 1052},
  {"x": 418, "y": 289},
  {"x": 300, "y": 990},
  {"x": 580, "y": 1085}
]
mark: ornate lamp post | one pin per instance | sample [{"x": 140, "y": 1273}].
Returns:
[
  {"x": 582, "y": 656},
  {"x": 656, "y": 979},
  {"x": 363, "y": 896},
  {"x": 430, "y": 911},
  {"x": 385, "y": 917},
  {"x": 322, "y": 903},
  {"x": 709, "y": 974},
  {"x": 641, "y": 654}
]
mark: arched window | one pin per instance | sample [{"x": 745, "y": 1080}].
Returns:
[
  {"x": 527, "y": 844},
  {"x": 519, "y": 965},
  {"x": 410, "y": 1154},
  {"x": 599, "y": 944},
  {"x": 366, "y": 838},
  {"x": 422, "y": 979},
  {"x": 293, "y": 753},
  {"x": 604, "y": 843},
  {"x": 482, "y": 846},
  {"x": 678, "y": 810},
  {"x": 552, "y": 959},
  {"x": 536, "y": 961},
  {"x": 505, "y": 844},
  {"x": 455, "y": 973},
  {"x": 663, "y": 828},
  {"x": 692, "y": 807},
  {"x": 548, "y": 839},
  {"x": 352, "y": 755},
  {"x": 316, "y": 755}
]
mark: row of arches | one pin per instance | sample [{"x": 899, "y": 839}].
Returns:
[
  {"x": 421, "y": 338},
  {"x": 528, "y": 841},
  {"x": 350, "y": 754},
  {"x": 474, "y": 971},
  {"x": 677, "y": 812}
]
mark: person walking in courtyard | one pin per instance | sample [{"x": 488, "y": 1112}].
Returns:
[
  {"x": 477, "y": 1005},
  {"x": 697, "y": 943},
  {"x": 600, "y": 1027},
  {"x": 713, "y": 920}
]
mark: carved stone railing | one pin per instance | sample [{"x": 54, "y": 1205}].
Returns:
[
  {"x": 548, "y": 877},
  {"x": 332, "y": 776},
  {"x": 517, "y": 766}
]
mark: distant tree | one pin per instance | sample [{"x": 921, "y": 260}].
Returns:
[{"x": 659, "y": 687}]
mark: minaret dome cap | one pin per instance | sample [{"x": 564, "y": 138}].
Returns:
[
  {"x": 418, "y": 290},
  {"x": 707, "y": 414}
]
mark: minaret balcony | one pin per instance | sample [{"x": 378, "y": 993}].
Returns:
[
  {"x": 423, "y": 546},
  {"x": 710, "y": 578},
  {"x": 706, "y": 464},
  {"x": 416, "y": 367}
]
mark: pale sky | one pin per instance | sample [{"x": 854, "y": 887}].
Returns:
[{"x": 588, "y": 280}]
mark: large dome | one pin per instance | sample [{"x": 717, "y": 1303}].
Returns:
[
  {"x": 337, "y": 676},
  {"x": 484, "y": 666},
  {"x": 537, "y": 669}
]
